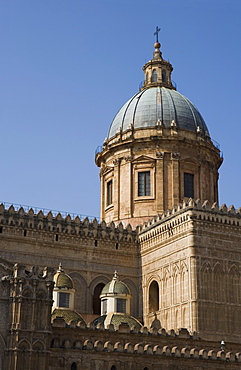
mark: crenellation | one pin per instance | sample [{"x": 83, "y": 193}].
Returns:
[
  {"x": 224, "y": 216},
  {"x": 64, "y": 227}
]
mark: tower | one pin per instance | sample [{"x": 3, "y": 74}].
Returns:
[
  {"x": 158, "y": 151},
  {"x": 30, "y": 323}
]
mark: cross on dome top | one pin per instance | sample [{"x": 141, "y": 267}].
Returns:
[{"x": 156, "y": 33}]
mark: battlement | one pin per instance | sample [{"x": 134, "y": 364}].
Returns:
[
  {"x": 126, "y": 340},
  {"x": 206, "y": 212},
  {"x": 61, "y": 226}
]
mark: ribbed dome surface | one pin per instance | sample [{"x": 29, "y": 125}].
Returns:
[
  {"x": 115, "y": 286},
  {"x": 67, "y": 315},
  {"x": 157, "y": 103},
  {"x": 63, "y": 280},
  {"x": 117, "y": 319}
]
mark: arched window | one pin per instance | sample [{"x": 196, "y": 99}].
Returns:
[
  {"x": 64, "y": 299},
  {"x": 145, "y": 368},
  {"x": 74, "y": 366},
  {"x": 154, "y": 76},
  {"x": 121, "y": 305},
  {"x": 96, "y": 299},
  {"x": 154, "y": 297},
  {"x": 164, "y": 76},
  {"x": 113, "y": 367}
]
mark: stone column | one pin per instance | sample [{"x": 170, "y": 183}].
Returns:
[
  {"x": 102, "y": 196},
  {"x": 175, "y": 178},
  {"x": 193, "y": 294},
  {"x": 160, "y": 202},
  {"x": 116, "y": 189}
]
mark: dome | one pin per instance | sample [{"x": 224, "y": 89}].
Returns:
[
  {"x": 117, "y": 319},
  {"x": 158, "y": 106},
  {"x": 115, "y": 286},
  {"x": 62, "y": 280},
  {"x": 67, "y": 315}
]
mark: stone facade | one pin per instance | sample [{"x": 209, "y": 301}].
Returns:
[
  {"x": 89, "y": 251},
  {"x": 181, "y": 264},
  {"x": 193, "y": 253},
  {"x": 190, "y": 270}
]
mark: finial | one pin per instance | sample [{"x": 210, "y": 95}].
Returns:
[
  {"x": 156, "y": 33},
  {"x": 60, "y": 269},
  {"x": 115, "y": 277},
  {"x": 157, "y": 53}
]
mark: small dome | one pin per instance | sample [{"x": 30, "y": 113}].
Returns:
[
  {"x": 115, "y": 286},
  {"x": 117, "y": 319},
  {"x": 158, "y": 104},
  {"x": 67, "y": 315},
  {"x": 62, "y": 280}
]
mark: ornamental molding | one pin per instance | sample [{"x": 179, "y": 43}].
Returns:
[
  {"x": 160, "y": 155},
  {"x": 116, "y": 161},
  {"x": 128, "y": 158},
  {"x": 143, "y": 159},
  {"x": 106, "y": 170},
  {"x": 175, "y": 156}
]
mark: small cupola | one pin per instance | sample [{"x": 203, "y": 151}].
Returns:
[
  {"x": 115, "y": 305},
  {"x": 157, "y": 72},
  {"x": 63, "y": 293},
  {"x": 115, "y": 297}
]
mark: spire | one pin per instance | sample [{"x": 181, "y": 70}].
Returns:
[
  {"x": 60, "y": 269},
  {"x": 157, "y": 71},
  {"x": 115, "y": 277}
]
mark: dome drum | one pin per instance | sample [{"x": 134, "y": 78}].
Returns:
[{"x": 166, "y": 155}]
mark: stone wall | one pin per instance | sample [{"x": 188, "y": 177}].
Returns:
[
  {"x": 193, "y": 253},
  {"x": 93, "y": 349},
  {"x": 89, "y": 252}
]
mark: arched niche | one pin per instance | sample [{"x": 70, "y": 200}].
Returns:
[
  {"x": 153, "y": 296},
  {"x": 95, "y": 288},
  {"x": 73, "y": 366},
  {"x": 80, "y": 286},
  {"x": 96, "y": 299},
  {"x": 135, "y": 304}
]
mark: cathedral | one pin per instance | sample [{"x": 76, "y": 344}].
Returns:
[{"x": 156, "y": 283}]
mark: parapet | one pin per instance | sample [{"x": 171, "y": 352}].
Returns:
[
  {"x": 64, "y": 226},
  {"x": 222, "y": 214},
  {"x": 142, "y": 342}
]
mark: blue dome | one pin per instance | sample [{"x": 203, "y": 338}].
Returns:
[{"x": 155, "y": 104}]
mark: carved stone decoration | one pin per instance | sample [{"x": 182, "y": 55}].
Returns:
[
  {"x": 116, "y": 161},
  {"x": 160, "y": 155},
  {"x": 159, "y": 123},
  {"x": 175, "y": 156},
  {"x": 128, "y": 158}
]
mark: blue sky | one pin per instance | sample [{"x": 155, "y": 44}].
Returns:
[{"x": 67, "y": 66}]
